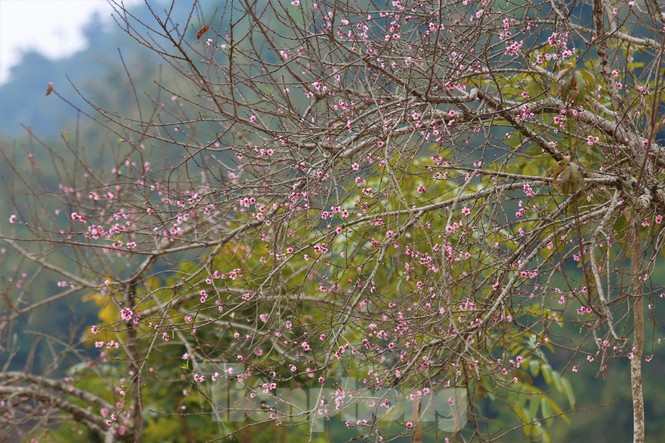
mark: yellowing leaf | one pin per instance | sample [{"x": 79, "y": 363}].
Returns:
[
  {"x": 202, "y": 31},
  {"x": 108, "y": 314},
  {"x": 97, "y": 298}
]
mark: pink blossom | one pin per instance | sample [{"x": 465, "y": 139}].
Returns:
[{"x": 126, "y": 314}]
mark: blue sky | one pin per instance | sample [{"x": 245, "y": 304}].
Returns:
[{"x": 50, "y": 26}]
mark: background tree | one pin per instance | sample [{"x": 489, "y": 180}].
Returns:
[{"x": 375, "y": 201}]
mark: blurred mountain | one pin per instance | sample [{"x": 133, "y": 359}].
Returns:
[{"x": 94, "y": 73}]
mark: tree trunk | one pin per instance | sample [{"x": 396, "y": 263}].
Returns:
[
  {"x": 417, "y": 432},
  {"x": 135, "y": 360},
  {"x": 638, "y": 338}
]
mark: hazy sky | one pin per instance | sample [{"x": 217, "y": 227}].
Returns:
[{"x": 50, "y": 26}]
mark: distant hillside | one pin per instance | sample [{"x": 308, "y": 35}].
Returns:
[{"x": 96, "y": 71}]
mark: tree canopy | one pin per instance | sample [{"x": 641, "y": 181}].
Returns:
[{"x": 349, "y": 219}]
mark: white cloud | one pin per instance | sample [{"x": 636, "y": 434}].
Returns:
[{"x": 53, "y": 27}]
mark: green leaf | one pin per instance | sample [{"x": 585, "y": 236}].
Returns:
[
  {"x": 521, "y": 414},
  {"x": 527, "y": 430},
  {"x": 534, "y": 367},
  {"x": 556, "y": 410},
  {"x": 589, "y": 79},
  {"x": 534, "y": 404},
  {"x": 538, "y": 433},
  {"x": 556, "y": 379},
  {"x": 547, "y": 373},
  {"x": 546, "y": 410},
  {"x": 568, "y": 391}
]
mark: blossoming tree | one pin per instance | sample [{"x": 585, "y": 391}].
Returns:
[{"x": 371, "y": 204}]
